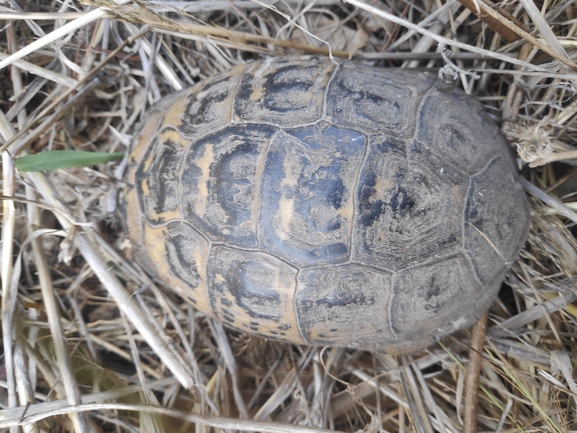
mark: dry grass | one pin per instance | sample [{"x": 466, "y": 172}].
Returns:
[{"x": 90, "y": 344}]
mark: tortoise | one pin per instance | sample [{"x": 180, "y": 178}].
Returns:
[{"x": 326, "y": 202}]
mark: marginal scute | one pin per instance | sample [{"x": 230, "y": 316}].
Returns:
[
  {"x": 481, "y": 301},
  {"x": 451, "y": 124},
  {"x": 177, "y": 255},
  {"x": 307, "y": 193},
  {"x": 202, "y": 110},
  {"x": 253, "y": 287},
  {"x": 495, "y": 224},
  {"x": 145, "y": 135},
  {"x": 157, "y": 177},
  {"x": 185, "y": 249},
  {"x": 219, "y": 182},
  {"x": 372, "y": 100},
  {"x": 429, "y": 297},
  {"x": 129, "y": 208},
  {"x": 344, "y": 305},
  {"x": 290, "y": 94}
]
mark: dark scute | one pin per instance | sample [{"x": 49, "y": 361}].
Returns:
[
  {"x": 374, "y": 100},
  {"x": 231, "y": 185},
  {"x": 279, "y": 86},
  {"x": 203, "y": 111},
  {"x": 343, "y": 303},
  {"x": 290, "y": 94},
  {"x": 407, "y": 210},
  {"x": 428, "y": 297},
  {"x": 211, "y": 106},
  {"x": 451, "y": 124},
  {"x": 258, "y": 286},
  {"x": 179, "y": 238},
  {"x": 121, "y": 205},
  {"x": 496, "y": 218},
  {"x": 312, "y": 172},
  {"x": 161, "y": 179},
  {"x": 250, "y": 288}
]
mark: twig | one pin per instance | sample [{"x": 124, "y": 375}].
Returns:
[
  {"x": 495, "y": 24},
  {"x": 473, "y": 371}
]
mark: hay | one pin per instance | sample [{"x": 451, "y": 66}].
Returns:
[{"x": 91, "y": 344}]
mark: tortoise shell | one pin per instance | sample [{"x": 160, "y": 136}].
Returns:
[{"x": 326, "y": 203}]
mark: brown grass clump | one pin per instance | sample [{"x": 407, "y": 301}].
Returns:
[{"x": 91, "y": 344}]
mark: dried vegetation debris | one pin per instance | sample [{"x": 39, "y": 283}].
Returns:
[{"x": 90, "y": 338}]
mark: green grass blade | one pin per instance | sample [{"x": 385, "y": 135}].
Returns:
[{"x": 55, "y": 159}]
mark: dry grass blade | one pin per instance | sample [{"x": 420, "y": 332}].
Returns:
[
  {"x": 212, "y": 421},
  {"x": 9, "y": 310},
  {"x": 41, "y": 72},
  {"x": 546, "y": 32},
  {"x": 92, "y": 343},
  {"x": 9, "y": 290},
  {"x": 40, "y": 16},
  {"x": 559, "y": 55},
  {"x": 54, "y": 36},
  {"x": 555, "y": 204},
  {"x": 446, "y": 41},
  {"x": 87, "y": 80},
  {"x": 144, "y": 15}
]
